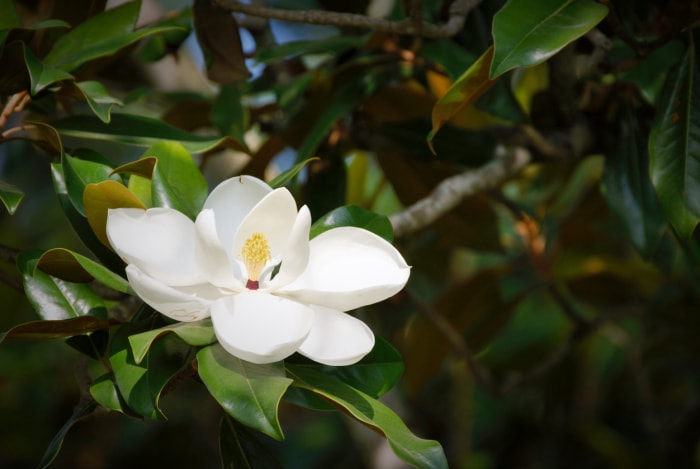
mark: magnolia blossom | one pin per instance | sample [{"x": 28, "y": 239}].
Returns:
[{"x": 247, "y": 262}]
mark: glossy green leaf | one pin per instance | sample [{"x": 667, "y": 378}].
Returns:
[
  {"x": 462, "y": 93},
  {"x": 176, "y": 181},
  {"x": 283, "y": 178},
  {"x": 55, "y": 329},
  {"x": 239, "y": 448},
  {"x": 79, "y": 173},
  {"x": 11, "y": 196},
  {"x": 415, "y": 451},
  {"x": 528, "y": 32},
  {"x": 81, "y": 412},
  {"x": 100, "y": 36},
  {"x": 99, "y": 198},
  {"x": 627, "y": 187},
  {"x": 352, "y": 215},
  {"x": 80, "y": 223},
  {"x": 228, "y": 112},
  {"x": 250, "y": 393},
  {"x": 141, "y": 384},
  {"x": 42, "y": 76},
  {"x": 104, "y": 390},
  {"x": 97, "y": 97},
  {"x": 140, "y": 131},
  {"x": 55, "y": 299},
  {"x": 674, "y": 145},
  {"x": 196, "y": 333},
  {"x": 374, "y": 375},
  {"x": 73, "y": 267}
]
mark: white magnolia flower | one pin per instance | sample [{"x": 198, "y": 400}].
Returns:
[{"x": 248, "y": 263}]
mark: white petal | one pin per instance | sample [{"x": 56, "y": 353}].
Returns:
[
  {"x": 259, "y": 327},
  {"x": 295, "y": 255},
  {"x": 348, "y": 268},
  {"x": 274, "y": 217},
  {"x": 336, "y": 338},
  {"x": 231, "y": 201},
  {"x": 160, "y": 241},
  {"x": 214, "y": 261},
  {"x": 182, "y": 304}
]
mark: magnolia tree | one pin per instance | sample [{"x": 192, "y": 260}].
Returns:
[{"x": 487, "y": 208}]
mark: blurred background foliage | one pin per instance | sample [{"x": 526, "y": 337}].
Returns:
[{"x": 551, "y": 318}]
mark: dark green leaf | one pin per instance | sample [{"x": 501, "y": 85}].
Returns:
[
  {"x": 176, "y": 182},
  {"x": 196, "y": 333},
  {"x": 40, "y": 75},
  {"x": 92, "y": 344},
  {"x": 140, "y": 131},
  {"x": 416, "y": 451},
  {"x": 74, "y": 267},
  {"x": 239, "y": 448},
  {"x": 11, "y": 196},
  {"x": 289, "y": 174},
  {"x": 97, "y": 97},
  {"x": 674, "y": 145},
  {"x": 228, "y": 113},
  {"x": 141, "y": 384},
  {"x": 250, "y": 393},
  {"x": 627, "y": 186},
  {"x": 352, "y": 215},
  {"x": 100, "y": 36},
  {"x": 334, "y": 44},
  {"x": 55, "y": 446},
  {"x": 528, "y": 32}
]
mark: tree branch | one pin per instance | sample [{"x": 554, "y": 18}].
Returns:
[
  {"x": 457, "y": 16},
  {"x": 450, "y": 192}
]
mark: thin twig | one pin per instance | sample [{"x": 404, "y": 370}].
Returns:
[
  {"x": 15, "y": 130},
  {"x": 16, "y": 103},
  {"x": 451, "y": 191},
  {"x": 457, "y": 16}
]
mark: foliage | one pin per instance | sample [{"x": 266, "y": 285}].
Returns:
[{"x": 550, "y": 320}]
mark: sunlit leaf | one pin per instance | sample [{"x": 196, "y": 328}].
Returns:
[
  {"x": 415, "y": 451},
  {"x": 250, "y": 393},
  {"x": 74, "y": 267},
  {"x": 196, "y": 333},
  {"x": 674, "y": 145},
  {"x": 104, "y": 390},
  {"x": 464, "y": 92},
  {"x": 79, "y": 173},
  {"x": 140, "y": 131},
  {"x": 528, "y": 32},
  {"x": 99, "y": 198},
  {"x": 11, "y": 196}
]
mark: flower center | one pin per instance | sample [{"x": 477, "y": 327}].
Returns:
[{"x": 255, "y": 254}]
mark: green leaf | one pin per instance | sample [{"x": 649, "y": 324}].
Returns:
[
  {"x": 289, "y": 174},
  {"x": 104, "y": 390},
  {"x": 196, "y": 333},
  {"x": 11, "y": 196},
  {"x": 100, "y": 36},
  {"x": 97, "y": 97},
  {"x": 55, "y": 299},
  {"x": 42, "y": 76},
  {"x": 352, "y": 215},
  {"x": 627, "y": 187},
  {"x": 79, "y": 173},
  {"x": 55, "y": 329},
  {"x": 54, "y": 447},
  {"x": 674, "y": 145},
  {"x": 239, "y": 448},
  {"x": 528, "y": 32},
  {"x": 177, "y": 182},
  {"x": 140, "y": 131},
  {"x": 250, "y": 393},
  {"x": 228, "y": 113},
  {"x": 331, "y": 45},
  {"x": 74, "y": 267},
  {"x": 374, "y": 375},
  {"x": 141, "y": 384},
  {"x": 462, "y": 93},
  {"x": 416, "y": 451},
  {"x": 80, "y": 223}
]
